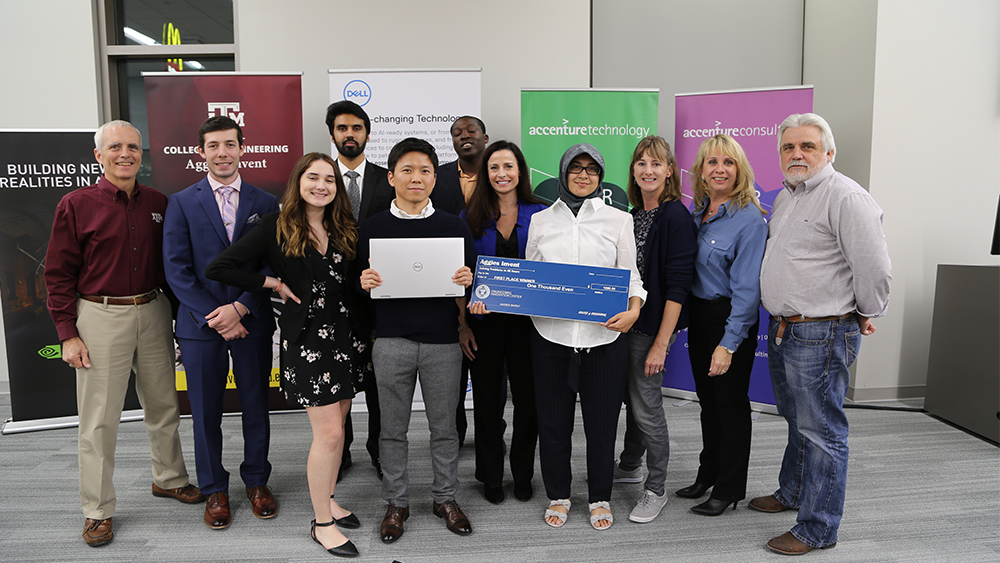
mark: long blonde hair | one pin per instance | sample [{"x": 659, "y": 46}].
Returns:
[
  {"x": 743, "y": 192},
  {"x": 293, "y": 226}
]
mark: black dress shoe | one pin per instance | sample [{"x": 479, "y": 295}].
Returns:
[
  {"x": 494, "y": 494},
  {"x": 697, "y": 490},
  {"x": 346, "y": 549},
  {"x": 345, "y": 464},
  {"x": 523, "y": 491},
  {"x": 377, "y": 464},
  {"x": 713, "y": 507}
]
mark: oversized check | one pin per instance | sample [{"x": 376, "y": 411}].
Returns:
[{"x": 550, "y": 289}]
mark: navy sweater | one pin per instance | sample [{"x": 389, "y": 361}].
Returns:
[
  {"x": 431, "y": 320},
  {"x": 670, "y": 251}
]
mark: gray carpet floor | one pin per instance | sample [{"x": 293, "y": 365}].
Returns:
[{"x": 918, "y": 490}]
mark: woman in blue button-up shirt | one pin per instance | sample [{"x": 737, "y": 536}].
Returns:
[
  {"x": 724, "y": 307},
  {"x": 499, "y": 213}
]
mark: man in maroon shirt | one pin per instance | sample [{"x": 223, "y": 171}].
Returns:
[{"x": 104, "y": 270}]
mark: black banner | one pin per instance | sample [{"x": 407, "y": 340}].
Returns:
[{"x": 37, "y": 168}]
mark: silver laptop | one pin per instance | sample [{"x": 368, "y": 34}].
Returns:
[{"x": 417, "y": 267}]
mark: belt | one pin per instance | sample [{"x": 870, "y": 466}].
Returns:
[
  {"x": 134, "y": 300},
  {"x": 783, "y": 322}
]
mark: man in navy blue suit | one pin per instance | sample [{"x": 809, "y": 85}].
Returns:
[{"x": 216, "y": 321}]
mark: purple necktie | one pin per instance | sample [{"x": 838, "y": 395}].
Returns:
[{"x": 228, "y": 210}]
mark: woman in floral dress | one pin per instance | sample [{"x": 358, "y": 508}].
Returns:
[{"x": 309, "y": 246}]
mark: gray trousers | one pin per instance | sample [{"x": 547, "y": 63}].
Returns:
[
  {"x": 398, "y": 362},
  {"x": 646, "y": 425}
]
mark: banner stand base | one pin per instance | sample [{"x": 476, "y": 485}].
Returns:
[{"x": 692, "y": 396}]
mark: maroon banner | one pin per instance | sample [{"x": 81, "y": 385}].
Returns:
[{"x": 268, "y": 108}]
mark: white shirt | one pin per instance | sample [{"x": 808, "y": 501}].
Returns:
[
  {"x": 219, "y": 198},
  {"x": 598, "y": 235},
  {"x": 426, "y": 212}
]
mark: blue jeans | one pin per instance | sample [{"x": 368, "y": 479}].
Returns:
[{"x": 809, "y": 372}]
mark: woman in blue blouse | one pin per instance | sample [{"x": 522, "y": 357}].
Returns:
[
  {"x": 498, "y": 214},
  {"x": 724, "y": 308},
  {"x": 665, "y": 250}
]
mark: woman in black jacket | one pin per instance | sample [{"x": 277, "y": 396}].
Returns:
[
  {"x": 309, "y": 246},
  {"x": 665, "y": 251}
]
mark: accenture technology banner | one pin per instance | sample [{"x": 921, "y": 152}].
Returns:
[
  {"x": 37, "y": 168},
  {"x": 612, "y": 120},
  {"x": 268, "y": 108},
  {"x": 751, "y": 117},
  {"x": 403, "y": 103}
]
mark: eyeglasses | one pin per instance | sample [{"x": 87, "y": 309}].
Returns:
[{"x": 593, "y": 169}]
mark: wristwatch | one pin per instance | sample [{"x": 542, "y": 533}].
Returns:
[{"x": 727, "y": 349}]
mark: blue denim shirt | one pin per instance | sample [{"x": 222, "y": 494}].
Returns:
[{"x": 730, "y": 250}]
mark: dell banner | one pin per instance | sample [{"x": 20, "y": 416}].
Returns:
[
  {"x": 268, "y": 107},
  {"x": 751, "y": 117},
  {"x": 403, "y": 103},
  {"x": 612, "y": 120},
  {"x": 38, "y": 169}
]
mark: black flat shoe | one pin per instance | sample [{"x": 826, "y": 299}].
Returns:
[
  {"x": 713, "y": 507},
  {"x": 494, "y": 494},
  {"x": 349, "y": 522},
  {"x": 523, "y": 491},
  {"x": 697, "y": 490},
  {"x": 346, "y": 549}
]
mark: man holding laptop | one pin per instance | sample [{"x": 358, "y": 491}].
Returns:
[{"x": 416, "y": 328}]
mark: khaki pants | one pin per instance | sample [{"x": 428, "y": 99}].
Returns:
[{"x": 121, "y": 338}]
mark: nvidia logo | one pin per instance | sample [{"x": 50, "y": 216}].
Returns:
[{"x": 52, "y": 352}]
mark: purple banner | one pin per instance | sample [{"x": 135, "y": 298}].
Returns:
[{"x": 752, "y": 118}]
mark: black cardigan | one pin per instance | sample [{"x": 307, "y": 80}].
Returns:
[
  {"x": 671, "y": 246},
  {"x": 262, "y": 242}
]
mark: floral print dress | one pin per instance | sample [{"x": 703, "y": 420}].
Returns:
[{"x": 323, "y": 366}]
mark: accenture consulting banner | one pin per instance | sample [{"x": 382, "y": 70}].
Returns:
[
  {"x": 403, "y": 103},
  {"x": 268, "y": 108},
  {"x": 612, "y": 120},
  {"x": 751, "y": 117},
  {"x": 37, "y": 168}
]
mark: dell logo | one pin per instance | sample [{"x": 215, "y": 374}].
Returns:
[{"x": 358, "y": 92}]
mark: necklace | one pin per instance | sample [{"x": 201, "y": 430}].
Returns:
[{"x": 508, "y": 211}]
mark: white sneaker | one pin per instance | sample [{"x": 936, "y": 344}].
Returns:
[
  {"x": 648, "y": 507},
  {"x": 622, "y": 476}
]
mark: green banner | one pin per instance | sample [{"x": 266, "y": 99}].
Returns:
[{"x": 612, "y": 120}]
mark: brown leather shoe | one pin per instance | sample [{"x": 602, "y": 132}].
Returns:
[
  {"x": 262, "y": 502},
  {"x": 217, "y": 515},
  {"x": 769, "y": 504},
  {"x": 187, "y": 494},
  {"x": 97, "y": 532},
  {"x": 392, "y": 524},
  {"x": 453, "y": 516},
  {"x": 787, "y": 544}
]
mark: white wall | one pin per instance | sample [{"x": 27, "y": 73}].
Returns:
[
  {"x": 51, "y": 75},
  {"x": 517, "y": 43},
  {"x": 934, "y": 163},
  {"x": 680, "y": 46},
  {"x": 839, "y": 60}
]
